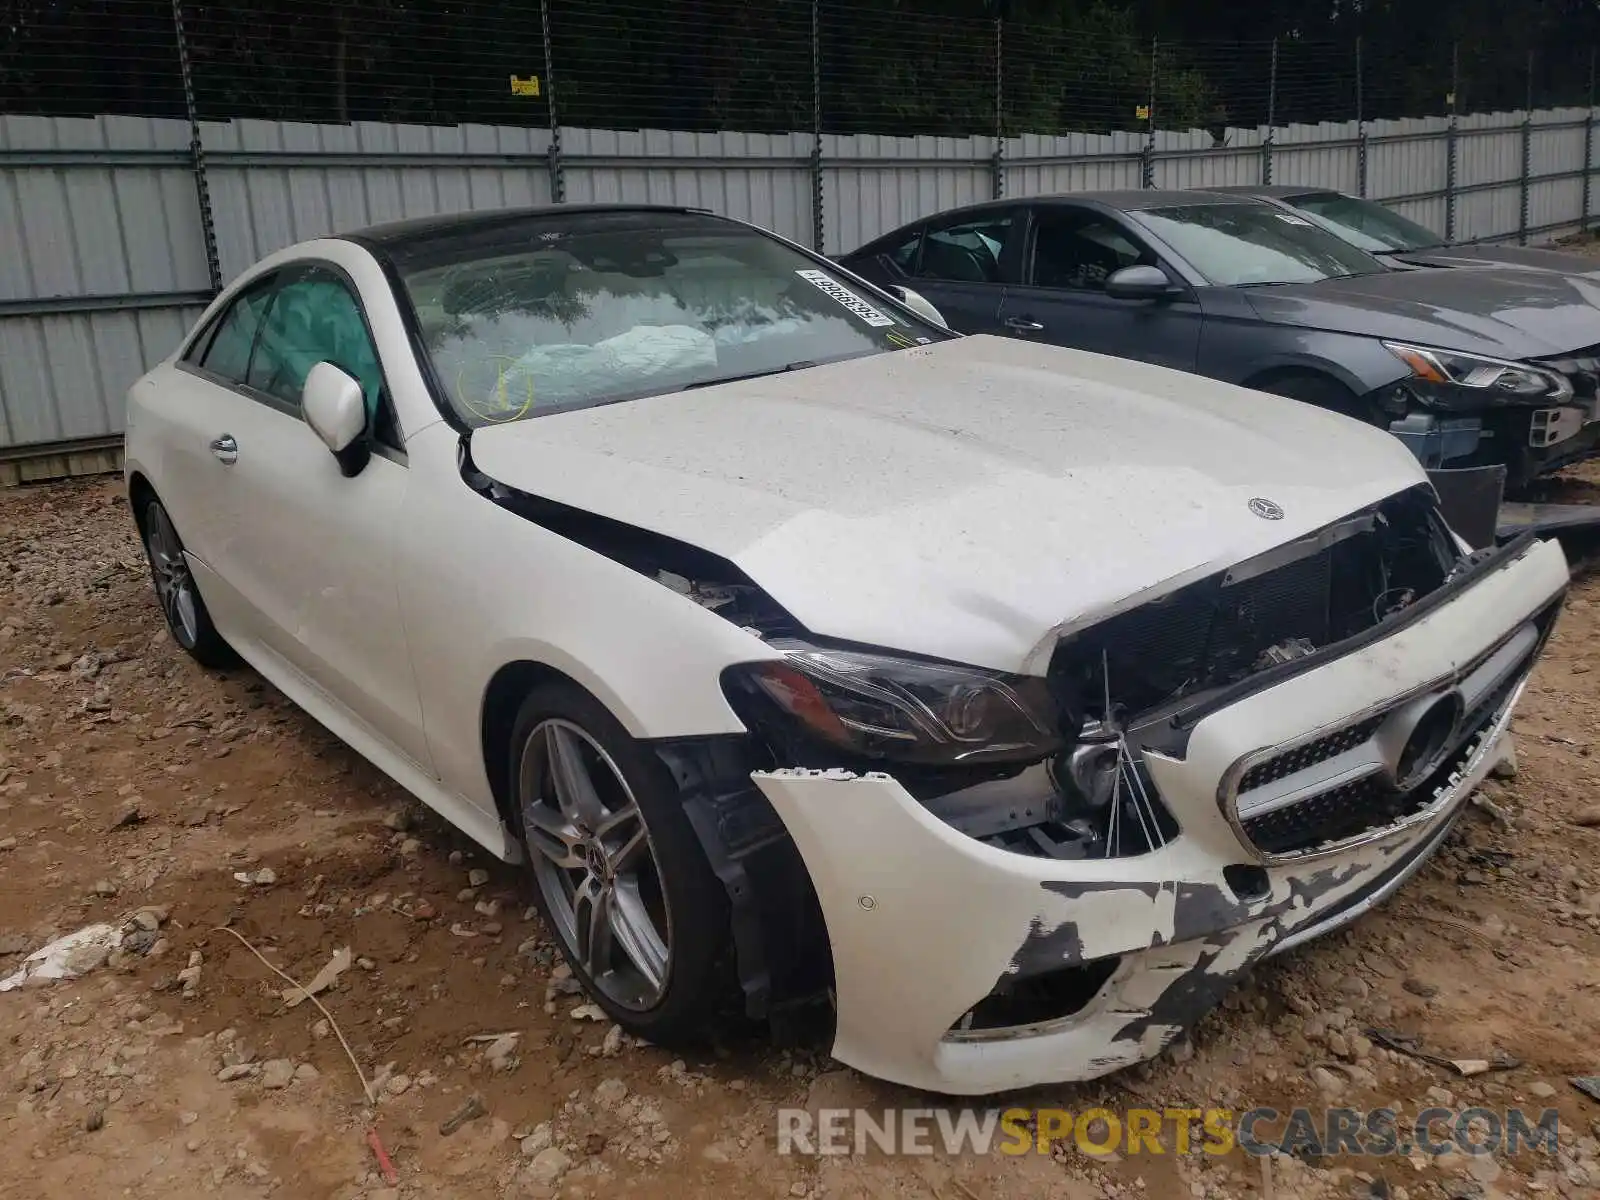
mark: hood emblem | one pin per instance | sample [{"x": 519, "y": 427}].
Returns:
[{"x": 1267, "y": 510}]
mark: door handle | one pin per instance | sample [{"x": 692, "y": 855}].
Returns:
[
  {"x": 226, "y": 449},
  {"x": 1023, "y": 325}
]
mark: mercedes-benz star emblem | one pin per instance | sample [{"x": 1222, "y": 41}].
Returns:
[{"x": 1267, "y": 510}]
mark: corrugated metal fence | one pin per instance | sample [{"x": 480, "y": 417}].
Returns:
[{"x": 103, "y": 254}]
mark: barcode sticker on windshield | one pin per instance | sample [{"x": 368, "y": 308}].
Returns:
[{"x": 853, "y": 302}]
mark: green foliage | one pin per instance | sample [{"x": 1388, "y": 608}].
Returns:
[{"x": 880, "y": 66}]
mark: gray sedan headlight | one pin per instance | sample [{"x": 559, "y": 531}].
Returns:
[
  {"x": 879, "y": 705},
  {"x": 1470, "y": 380}
]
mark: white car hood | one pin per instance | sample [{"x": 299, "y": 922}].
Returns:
[{"x": 966, "y": 500}]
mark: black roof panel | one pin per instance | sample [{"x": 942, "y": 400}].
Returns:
[
  {"x": 1127, "y": 200},
  {"x": 398, "y": 237},
  {"x": 1278, "y": 191}
]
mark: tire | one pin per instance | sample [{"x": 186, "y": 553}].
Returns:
[
  {"x": 1324, "y": 393},
  {"x": 657, "y": 966},
  {"x": 185, "y": 612}
]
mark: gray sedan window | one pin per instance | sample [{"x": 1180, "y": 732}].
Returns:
[
  {"x": 1239, "y": 245},
  {"x": 1081, "y": 250},
  {"x": 966, "y": 251},
  {"x": 1370, "y": 226}
]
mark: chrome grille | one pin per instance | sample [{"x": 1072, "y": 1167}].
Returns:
[
  {"x": 1345, "y": 811},
  {"x": 1343, "y": 787},
  {"x": 1308, "y": 755},
  {"x": 1363, "y": 807}
]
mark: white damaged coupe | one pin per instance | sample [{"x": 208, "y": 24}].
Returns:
[{"x": 1011, "y": 700}]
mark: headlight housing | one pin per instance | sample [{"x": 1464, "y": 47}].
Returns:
[
  {"x": 1471, "y": 380},
  {"x": 878, "y": 705}
]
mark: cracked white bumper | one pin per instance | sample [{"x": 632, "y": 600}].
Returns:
[{"x": 925, "y": 921}]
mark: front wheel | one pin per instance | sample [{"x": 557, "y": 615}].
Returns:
[
  {"x": 187, "y": 619},
  {"x": 620, "y": 876}
]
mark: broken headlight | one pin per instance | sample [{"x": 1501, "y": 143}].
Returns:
[
  {"x": 1471, "y": 380},
  {"x": 879, "y": 705}
]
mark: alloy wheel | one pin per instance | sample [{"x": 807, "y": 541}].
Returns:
[
  {"x": 595, "y": 864},
  {"x": 174, "y": 583}
]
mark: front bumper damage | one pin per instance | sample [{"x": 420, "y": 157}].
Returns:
[
  {"x": 925, "y": 922},
  {"x": 1529, "y": 442}
]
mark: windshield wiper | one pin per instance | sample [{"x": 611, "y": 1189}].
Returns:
[
  {"x": 705, "y": 383},
  {"x": 1260, "y": 283}
]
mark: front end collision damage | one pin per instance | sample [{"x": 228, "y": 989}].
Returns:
[
  {"x": 918, "y": 941},
  {"x": 850, "y": 882},
  {"x": 1170, "y": 930},
  {"x": 780, "y": 942}
]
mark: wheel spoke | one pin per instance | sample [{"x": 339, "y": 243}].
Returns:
[
  {"x": 165, "y": 536},
  {"x": 169, "y": 605},
  {"x": 625, "y": 856},
  {"x": 592, "y": 919},
  {"x": 174, "y": 589},
  {"x": 636, "y": 934},
  {"x": 184, "y": 604},
  {"x": 573, "y": 786},
  {"x": 552, "y": 835}
]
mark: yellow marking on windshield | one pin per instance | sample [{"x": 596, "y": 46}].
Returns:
[{"x": 502, "y": 409}]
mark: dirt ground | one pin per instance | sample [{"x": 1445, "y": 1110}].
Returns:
[{"x": 137, "y": 789}]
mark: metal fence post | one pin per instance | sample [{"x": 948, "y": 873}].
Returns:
[
  {"x": 1450, "y": 146},
  {"x": 197, "y": 153},
  {"x": 1147, "y": 161},
  {"x": 1272, "y": 117},
  {"x": 1588, "y": 149},
  {"x": 1361, "y": 131},
  {"x": 1527, "y": 160},
  {"x": 817, "y": 224},
  {"x": 558, "y": 175},
  {"x": 997, "y": 165}
]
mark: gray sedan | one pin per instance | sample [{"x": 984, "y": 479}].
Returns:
[
  {"x": 1398, "y": 241},
  {"x": 1469, "y": 368}
]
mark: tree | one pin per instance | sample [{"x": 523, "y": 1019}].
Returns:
[{"x": 887, "y": 66}]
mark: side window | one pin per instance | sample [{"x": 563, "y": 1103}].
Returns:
[
  {"x": 1081, "y": 250},
  {"x": 228, "y": 353},
  {"x": 314, "y": 319},
  {"x": 966, "y": 251},
  {"x": 904, "y": 255}
]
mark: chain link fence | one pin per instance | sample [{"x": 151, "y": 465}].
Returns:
[{"x": 894, "y": 66}]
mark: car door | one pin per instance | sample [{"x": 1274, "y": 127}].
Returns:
[
  {"x": 1069, "y": 251},
  {"x": 309, "y": 550},
  {"x": 188, "y": 411},
  {"x": 962, "y": 262}
]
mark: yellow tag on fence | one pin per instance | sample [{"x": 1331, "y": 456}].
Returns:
[{"x": 525, "y": 87}]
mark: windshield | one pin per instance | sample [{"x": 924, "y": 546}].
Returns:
[
  {"x": 1365, "y": 224},
  {"x": 560, "y": 312},
  {"x": 1240, "y": 245}
]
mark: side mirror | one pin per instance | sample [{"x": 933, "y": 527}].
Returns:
[
  {"x": 919, "y": 304},
  {"x": 1141, "y": 283},
  {"x": 333, "y": 406}
]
